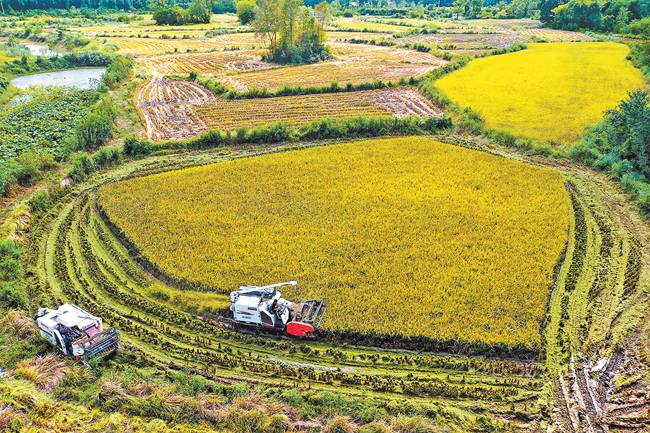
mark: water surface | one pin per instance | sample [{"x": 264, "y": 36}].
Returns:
[{"x": 82, "y": 78}]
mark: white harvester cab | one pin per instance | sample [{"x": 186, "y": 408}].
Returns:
[
  {"x": 76, "y": 332},
  {"x": 264, "y": 307}
]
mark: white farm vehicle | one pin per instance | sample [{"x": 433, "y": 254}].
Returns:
[
  {"x": 264, "y": 307},
  {"x": 77, "y": 333}
]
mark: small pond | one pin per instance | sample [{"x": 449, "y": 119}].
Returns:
[
  {"x": 75, "y": 77},
  {"x": 40, "y": 50}
]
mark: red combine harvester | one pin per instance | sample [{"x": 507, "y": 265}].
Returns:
[{"x": 264, "y": 307}]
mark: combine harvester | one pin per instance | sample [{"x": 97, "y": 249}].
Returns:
[
  {"x": 264, "y": 307},
  {"x": 77, "y": 333}
]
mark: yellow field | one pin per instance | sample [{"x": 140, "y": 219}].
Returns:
[
  {"x": 401, "y": 235},
  {"x": 550, "y": 92}
]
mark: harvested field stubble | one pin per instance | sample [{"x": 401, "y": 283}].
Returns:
[
  {"x": 550, "y": 92},
  {"x": 230, "y": 115},
  {"x": 405, "y": 236},
  {"x": 204, "y": 63},
  {"x": 323, "y": 74}
]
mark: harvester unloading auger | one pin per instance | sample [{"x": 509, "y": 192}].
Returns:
[
  {"x": 264, "y": 307},
  {"x": 77, "y": 333}
]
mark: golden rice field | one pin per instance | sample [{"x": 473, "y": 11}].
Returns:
[
  {"x": 549, "y": 92},
  {"x": 229, "y": 115},
  {"x": 322, "y": 74},
  {"x": 204, "y": 63},
  {"x": 403, "y": 235}
]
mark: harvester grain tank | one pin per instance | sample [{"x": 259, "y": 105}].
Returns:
[
  {"x": 77, "y": 333},
  {"x": 264, "y": 307}
]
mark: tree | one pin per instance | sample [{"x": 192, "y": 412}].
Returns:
[
  {"x": 294, "y": 35},
  {"x": 289, "y": 14},
  {"x": 459, "y": 7},
  {"x": 198, "y": 12},
  {"x": 323, "y": 15},
  {"x": 267, "y": 21},
  {"x": 629, "y": 130},
  {"x": 246, "y": 11}
]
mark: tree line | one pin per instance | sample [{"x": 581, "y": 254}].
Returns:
[{"x": 618, "y": 16}]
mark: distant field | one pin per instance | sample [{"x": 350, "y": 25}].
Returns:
[
  {"x": 230, "y": 115},
  {"x": 322, "y": 74},
  {"x": 155, "y": 45},
  {"x": 552, "y": 35},
  {"x": 204, "y": 63},
  {"x": 405, "y": 236},
  {"x": 550, "y": 92},
  {"x": 469, "y": 41},
  {"x": 382, "y": 54}
]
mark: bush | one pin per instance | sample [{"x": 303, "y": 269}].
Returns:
[
  {"x": 246, "y": 11},
  {"x": 94, "y": 130},
  {"x": 12, "y": 295},
  {"x": 504, "y": 138},
  {"x": 82, "y": 167},
  {"x": 40, "y": 203},
  {"x": 135, "y": 147}
]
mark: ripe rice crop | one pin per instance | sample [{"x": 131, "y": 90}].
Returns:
[
  {"x": 400, "y": 236},
  {"x": 550, "y": 92},
  {"x": 300, "y": 110},
  {"x": 204, "y": 63},
  {"x": 552, "y": 35},
  {"x": 322, "y": 74}
]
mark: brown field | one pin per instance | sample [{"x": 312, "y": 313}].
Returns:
[
  {"x": 384, "y": 54},
  {"x": 322, "y": 74},
  {"x": 179, "y": 109},
  {"x": 300, "y": 110},
  {"x": 204, "y": 63},
  {"x": 166, "y": 108},
  {"x": 553, "y": 35},
  {"x": 469, "y": 41}
]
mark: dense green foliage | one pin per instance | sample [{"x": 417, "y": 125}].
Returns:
[
  {"x": 246, "y": 11},
  {"x": 620, "y": 145},
  {"x": 41, "y": 119},
  {"x": 11, "y": 272},
  {"x": 198, "y": 13},
  {"x": 608, "y": 16},
  {"x": 293, "y": 34}
]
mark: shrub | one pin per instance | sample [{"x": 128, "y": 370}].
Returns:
[
  {"x": 40, "y": 203},
  {"x": 12, "y": 295},
  {"x": 135, "y": 147}
]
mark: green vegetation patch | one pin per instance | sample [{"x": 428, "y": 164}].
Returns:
[{"x": 40, "y": 119}]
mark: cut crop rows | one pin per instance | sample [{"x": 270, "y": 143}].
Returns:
[
  {"x": 323, "y": 74},
  {"x": 205, "y": 64},
  {"x": 230, "y": 115}
]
